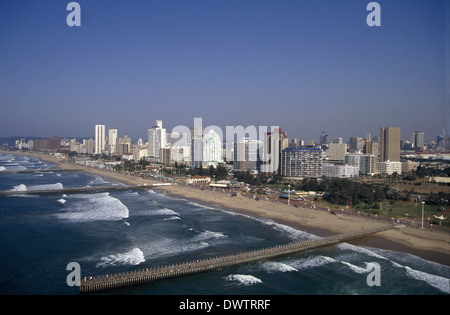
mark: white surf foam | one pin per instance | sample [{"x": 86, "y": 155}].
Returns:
[
  {"x": 20, "y": 187},
  {"x": 133, "y": 257},
  {"x": 355, "y": 268},
  {"x": 98, "y": 181},
  {"x": 6, "y": 157},
  {"x": 311, "y": 262},
  {"x": 94, "y": 207},
  {"x": 440, "y": 283},
  {"x": 165, "y": 211},
  {"x": 168, "y": 247},
  {"x": 246, "y": 280},
  {"x": 197, "y": 205},
  {"x": 63, "y": 201},
  {"x": 172, "y": 218},
  {"x": 273, "y": 266},
  {"x": 208, "y": 235},
  {"x": 2, "y": 168},
  {"x": 361, "y": 250}
]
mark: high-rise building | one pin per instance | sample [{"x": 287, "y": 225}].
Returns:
[
  {"x": 89, "y": 146},
  {"x": 112, "y": 141},
  {"x": 324, "y": 139},
  {"x": 100, "y": 139},
  {"x": 123, "y": 145},
  {"x": 212, "y": 149},
  {"x": 367, "y": 163},
  {"x": 301, "y": 162},
  {"x": 246, "y": 156},
  {"x": 370, "y": 147},
  {"x": 271, "y": 152},
  {"x": 389, "y": 144},
  {"x": 337, "y": 152},
  {"x": 418, "y": 139},
  {"x": 356, "y": 144},
  {"x": 156, "y": 139}
]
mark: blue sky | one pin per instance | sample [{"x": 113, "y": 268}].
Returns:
[{"x": 305, "y": 66}]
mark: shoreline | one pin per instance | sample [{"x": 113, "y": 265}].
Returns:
[{"x": 432, "y": 246}]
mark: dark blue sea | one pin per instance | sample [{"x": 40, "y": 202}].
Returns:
[{"x": 114, "y": 232}]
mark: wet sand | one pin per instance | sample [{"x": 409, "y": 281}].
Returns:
[{"x": 430, "y": 245}]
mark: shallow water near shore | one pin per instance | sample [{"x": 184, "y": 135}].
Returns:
[{"x": 128, "y": 230}]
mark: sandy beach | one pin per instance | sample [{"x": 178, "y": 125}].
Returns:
[{"x": 430, "y": 245}]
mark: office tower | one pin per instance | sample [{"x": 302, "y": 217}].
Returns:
[
  {"x": 295, "y": 143},
  {"x": 370, "y": 147},
  {"x": 100, "y": 139},
  {"x": 301, "y": 162},
  {"x": 356, "y": 144},
  {"x": 246, "y": 155},
  {"x": 337, "y": 152},
  {"x": 196, "y": 146},
  {"x": 389, "y": 144},
  {"x": 418, "y": 139},
  {"x": 212, "y": 149},
  {"x": 156, "y": 139},
  {"x": 112, "y": 141},
  {"x": 324, "y": 139}
]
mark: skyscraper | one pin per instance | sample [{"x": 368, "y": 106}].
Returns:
[
  {"x": 156, "y": 139},
  {"x": 323, "y": 138},
  {"x": 212, "y": 149},
  {"x": 418, "y": 139},
  {"x": 100, "y": 139},
  {"x": 389, "y": 144},
  {"x": 246, "y": 156},
  {"x": 112, "y": 141}
]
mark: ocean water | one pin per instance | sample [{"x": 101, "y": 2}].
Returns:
[{"x": 121, "y": 231}]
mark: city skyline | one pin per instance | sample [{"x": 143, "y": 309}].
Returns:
[{"x": 306, "y": 67}]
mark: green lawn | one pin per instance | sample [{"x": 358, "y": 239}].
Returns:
[{"x": 399, "y": 209}]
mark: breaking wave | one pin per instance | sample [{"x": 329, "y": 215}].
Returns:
[
  {"x": 95, "y": 207},
  {"x": 245, "y": 280},
  {"x": 133, "y": 257},
  {"x": 23, "y": 187}
]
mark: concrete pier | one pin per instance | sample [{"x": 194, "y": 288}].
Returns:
[
  {"x": 99, "y": 283},
  {"x": 47, "y": 170},
  {"x": 75, "y": 190}
]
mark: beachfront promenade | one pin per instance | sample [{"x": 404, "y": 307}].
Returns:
[{"x": 107, "y": 282}]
